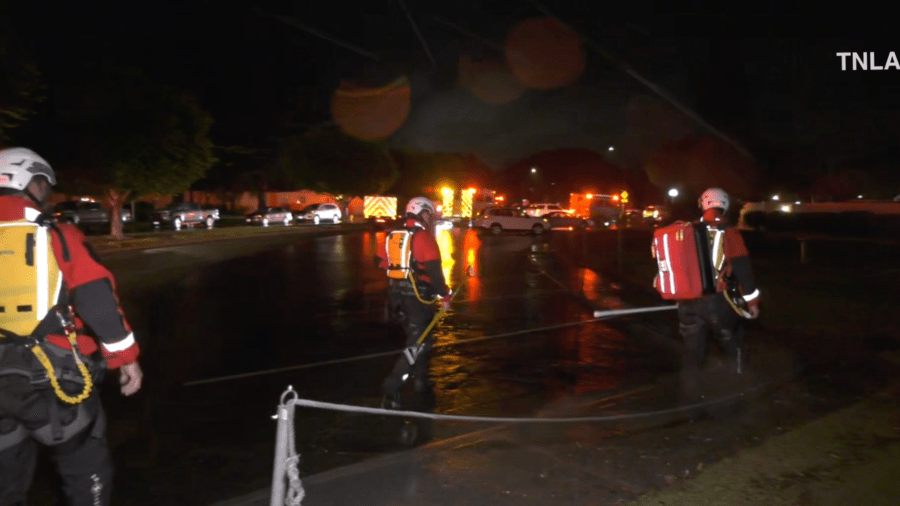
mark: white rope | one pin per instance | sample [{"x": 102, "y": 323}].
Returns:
[
  {"x": 461, "y": 418},
  {"x": 295, "y": 492},
  {"x": 286, "y": 448},
  {"x": 383, "y": 354}
]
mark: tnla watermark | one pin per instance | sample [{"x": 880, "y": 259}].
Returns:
[{"x": 867, "y": 61}]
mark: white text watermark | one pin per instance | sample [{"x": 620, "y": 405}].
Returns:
[{"x": 868, "y": 61}]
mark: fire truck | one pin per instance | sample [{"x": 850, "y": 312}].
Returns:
[
  {"x": 466, "y": 202},
  {"x": 379, "y": 209},
  {"x": 600, "y": 207}
]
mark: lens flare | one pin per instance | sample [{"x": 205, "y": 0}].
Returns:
[
  {"x": 371, "y": 114},
  {"x": 543, "y": 54}
]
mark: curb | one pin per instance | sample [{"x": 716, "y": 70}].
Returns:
[{"x": 167, "y": 242}]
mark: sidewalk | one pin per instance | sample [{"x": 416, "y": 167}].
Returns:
[{"x": 851, "y": 456}]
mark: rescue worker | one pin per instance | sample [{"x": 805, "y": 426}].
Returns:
[
  {"x": 412, "y": 260},
  {"x": 41, "y": 370},
  {"x": 712, "y": 315}
]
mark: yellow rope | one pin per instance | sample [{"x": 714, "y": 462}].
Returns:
[
  {"x": 412, "y": 280},
  {"x": 45, "y": 361}
]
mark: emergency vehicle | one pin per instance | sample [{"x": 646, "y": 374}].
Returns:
[
  {"x": 379, "y": 208},
  {"x": 602, "y": 208},
  {"x": 466, "y": 202}
]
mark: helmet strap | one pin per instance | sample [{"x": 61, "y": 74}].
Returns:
[{"x": 29, "y": 194}]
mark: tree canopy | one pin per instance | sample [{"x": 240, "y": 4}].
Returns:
[
  {"x": 129, "y": 136},
  {"x": 334, "y": 162}
]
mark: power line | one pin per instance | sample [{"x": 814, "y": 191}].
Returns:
[
  {"x": 418, "y": 34},
  {"x": 467, "y": 33},
  {"x": 656, "y": 89},
  {"x": 290, "y": 21}
]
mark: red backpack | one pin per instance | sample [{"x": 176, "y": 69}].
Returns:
[{"x": 683, "y": 254}]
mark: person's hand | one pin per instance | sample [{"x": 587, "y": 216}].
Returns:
[
  {"x": 130, "y": 377},
  {"x": 445, "y": 301},
  {"x": 753, "y": 309}
]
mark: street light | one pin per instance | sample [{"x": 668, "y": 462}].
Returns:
[
  {"x": 774, "y": 197},
  {"x": 612, "y": 148},
  {"x": 533, "y": 170},
  {"x": 673, "y": 192}
]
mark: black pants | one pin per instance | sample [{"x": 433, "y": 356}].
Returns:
[
  {"x": 78, "y": 446},
  {"x": 414, "y": 317},
  {"x": 702, "y": 320}
]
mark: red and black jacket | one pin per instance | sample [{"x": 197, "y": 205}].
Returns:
[
  {"x": 737, "y": 257},
  {"x": 89, "y": 288}
]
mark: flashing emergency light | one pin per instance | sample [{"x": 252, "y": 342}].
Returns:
[
  {"x": 448, "y": 200},
  {"x": 465, "y": 203}
]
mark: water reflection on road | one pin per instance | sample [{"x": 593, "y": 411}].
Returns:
[{"x": 323, "y": 299}]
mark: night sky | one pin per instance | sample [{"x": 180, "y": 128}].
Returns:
[{"x": 766, "y": 75}]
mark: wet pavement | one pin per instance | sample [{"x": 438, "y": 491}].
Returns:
[{"x": 205, "y": 313}]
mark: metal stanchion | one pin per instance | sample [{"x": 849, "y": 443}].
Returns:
[{"x": 278, "y": 474}]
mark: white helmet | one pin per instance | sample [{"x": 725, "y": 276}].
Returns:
[
  {"x": 19, "y": 165},
  {"x": 714, "y": 197},
  {"x": 418, "y": 205}
]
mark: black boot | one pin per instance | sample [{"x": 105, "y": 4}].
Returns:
[
  {"x": 421, "y": 385},
  {"x": 391, "y": 401}
]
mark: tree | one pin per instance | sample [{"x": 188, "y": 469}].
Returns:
[
  {"x": 22, "y": 87},
  {"x": 232, "y": 176},
  {"x": 143, "y": 138},
  {"x": 334, "y": 162}
]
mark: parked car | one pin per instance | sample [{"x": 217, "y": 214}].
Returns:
[
  {"x": 565, "y": 221},
  {"x": 268, "y": 215},
  {"x": 498, "y": 219},
  {"x": 185, "y": 213},
  {"x": 538, "y": 210},
  {"x": 321, "y": 213},
  {"x": 82, "y": 213},
  {"x": 443, "y": 224}
]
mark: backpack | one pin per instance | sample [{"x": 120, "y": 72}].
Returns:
[
  {"x": 684, "y": 256},
  {"x": 399, "y": 254},
  {"x": 30, "y": 289},
  {"x": 31, "y": 281}
]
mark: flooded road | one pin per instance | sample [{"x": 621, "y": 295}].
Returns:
[
  {"x": 225, "y": 329},
  {"x": 322, "y": 299}
]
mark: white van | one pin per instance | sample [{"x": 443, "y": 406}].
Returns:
[
  {"x": 498, "y": 219},
  {"x": 538, "y": 210}
]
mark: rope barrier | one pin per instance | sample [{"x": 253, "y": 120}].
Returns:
[
  {"x": 287, "y": 458},
  {"x": 463, "y": 418},
  {"x": 384, "y": 354}
]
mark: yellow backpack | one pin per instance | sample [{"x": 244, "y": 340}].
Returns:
[
  {"x": 31, "y": 279},
  {"x": 30, "y": 287}
]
